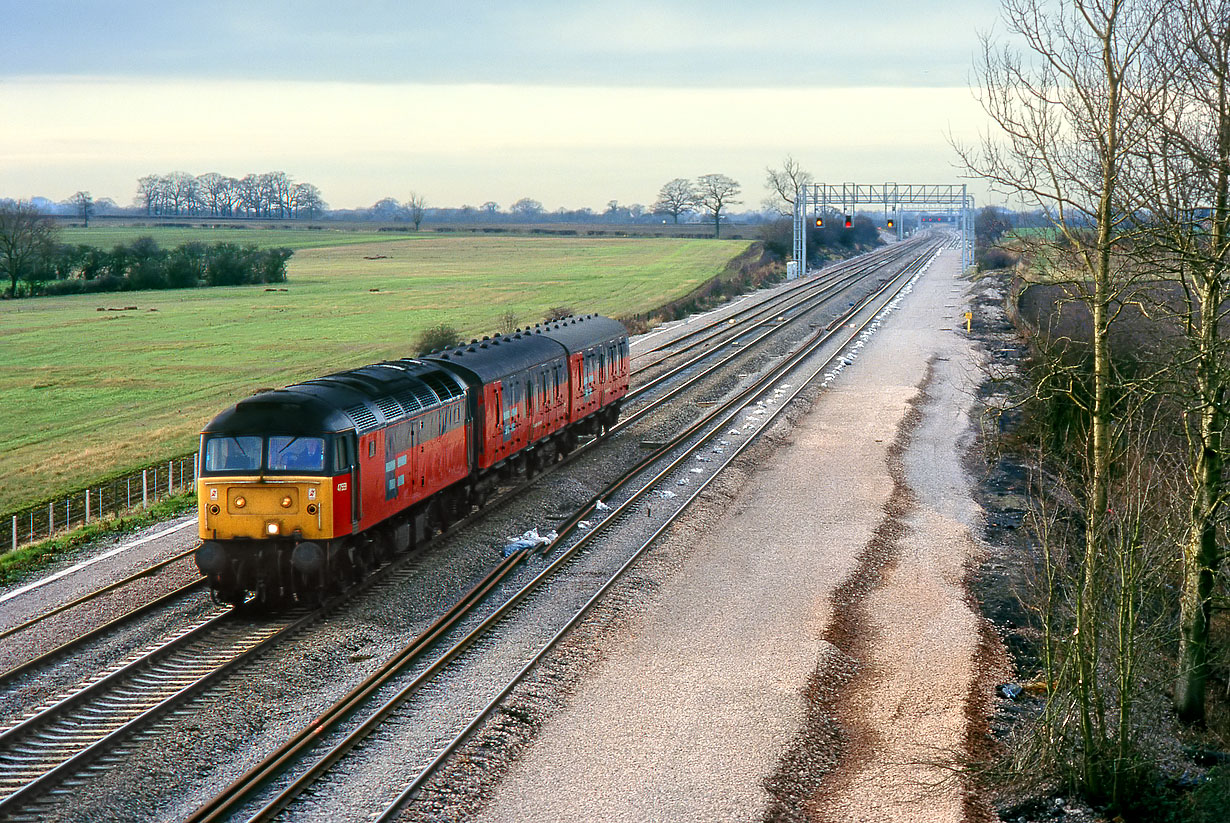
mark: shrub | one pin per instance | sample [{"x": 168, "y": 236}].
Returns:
[
  {"x": 557, "y": 313},
  {"x": 272, "y": 267},
  {"x": 226, "y": 266},
  {"x": 996, "y": 258},
  {"x": 431, "y": 339},
  {"x": 507, "y": 322}
]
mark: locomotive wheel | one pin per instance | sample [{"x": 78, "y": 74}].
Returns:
[{"x": 228, "y": 597}]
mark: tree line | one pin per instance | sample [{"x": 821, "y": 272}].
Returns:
[
  {"x": 271, "y": 195},
  {"x": 1112, "y": 117}
]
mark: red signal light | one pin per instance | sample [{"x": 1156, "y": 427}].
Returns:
[
  {"x": 819, "y": 222},
  {"x": 849, "y": 222},
  {"x": 890, "y": 222}
]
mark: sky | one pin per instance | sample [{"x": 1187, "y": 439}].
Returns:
[{"x": 572, "y": 104}]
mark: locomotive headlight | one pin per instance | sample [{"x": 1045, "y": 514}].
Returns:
[
  {"x": 240, "y": 502},
  {"x": 286, "y": 501},
  {"x": 272, "y": 529}
]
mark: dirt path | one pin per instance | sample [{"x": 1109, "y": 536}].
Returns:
[{"x": 806, "y": 651}]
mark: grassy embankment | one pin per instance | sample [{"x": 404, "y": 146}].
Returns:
[{"x": 87, "y": 393}]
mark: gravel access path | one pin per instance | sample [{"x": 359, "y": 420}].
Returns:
[{"x": 809, "y": 653}]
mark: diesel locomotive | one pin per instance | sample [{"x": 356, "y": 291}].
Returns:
[{"x": 305, "y": 488}]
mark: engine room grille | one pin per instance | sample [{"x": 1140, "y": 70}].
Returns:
[
  {"x": 363, "y": 418},
  {"x": 391, "y": 409}
]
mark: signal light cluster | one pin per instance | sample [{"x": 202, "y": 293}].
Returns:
[{"x": 849, "y": 222}]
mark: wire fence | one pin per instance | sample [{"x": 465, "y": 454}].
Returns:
[{"x": 138, "y": 490}]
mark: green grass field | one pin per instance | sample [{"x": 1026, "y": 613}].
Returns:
[{"x": 85, "y": 393}]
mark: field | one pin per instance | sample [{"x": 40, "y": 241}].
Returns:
[{"x": 86, "y": 391}]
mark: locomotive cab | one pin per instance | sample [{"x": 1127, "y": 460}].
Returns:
[
  {"x": 268, "y": 490},
  {"x": 267, "y": 486}
]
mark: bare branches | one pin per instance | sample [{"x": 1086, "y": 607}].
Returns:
[{"x": 785, "y": 185}]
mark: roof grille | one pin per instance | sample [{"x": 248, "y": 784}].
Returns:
[
  {"x": 363, "y": 418},
  {"x": 409, "y": 402},
  {"x": 390, "y": 408}
]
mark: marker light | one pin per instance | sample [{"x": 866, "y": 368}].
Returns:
[
  {"x": 272, "y": 529},
  {"x": 286, "y": 501},
  {"x": 240, "y": 502}
]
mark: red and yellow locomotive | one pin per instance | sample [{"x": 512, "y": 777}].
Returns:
[{"x": 304, "y": 487}]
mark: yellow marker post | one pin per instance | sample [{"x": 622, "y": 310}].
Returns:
[{"x": 969, "y": 317}]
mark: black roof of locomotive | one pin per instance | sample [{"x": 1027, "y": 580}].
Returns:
[
  {"x": 579, "y": 333},
  {"x": 359, "y": 399}
]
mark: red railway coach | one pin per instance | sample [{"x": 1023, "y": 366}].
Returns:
[{"x": 305, "y": 486}]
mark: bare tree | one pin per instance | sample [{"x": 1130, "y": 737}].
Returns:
[
  {"x": 1069, "y": 119},
  {"x": 248, "y": 195},
  {"x": 151, "y": 191},
  {"x": 1186, "y": 176},
  {"x": 215, "y": 192},
  {"x": 26, "y": 234},
  {"x": 492, "y": 208},
  {"x": 181, "y": 192},
  {"x": 306, "y": 201},
  {"x": 83, "y": 202},
  {"x": 415, "y": 204},
  {"x": 676, "y": 197},
  {"x": 526, "y": 208},
  {"x": 785, "y": 186},
  {"x": 714, "y": 192}
]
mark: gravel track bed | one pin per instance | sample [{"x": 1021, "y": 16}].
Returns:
[{"x": 40, "y": 684}]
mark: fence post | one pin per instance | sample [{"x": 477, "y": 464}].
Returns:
[
  {"x": 14, "y": 532},
  {"x": 170, "y": 475},
  {"x": 128, "y": 499},
  {"x": 87, "y": 505},
  {"x": 68, "y": 513},
  {"x": 51, "y": 518},
  {"x": 144, "y": 489}
]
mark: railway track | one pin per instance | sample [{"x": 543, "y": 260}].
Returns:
[
  {"x": 763, "y": 318},
  {"x": 42, "y": 728},
  {"x": 800, "y": 297},
  {"x": 322, "y": 747}
]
